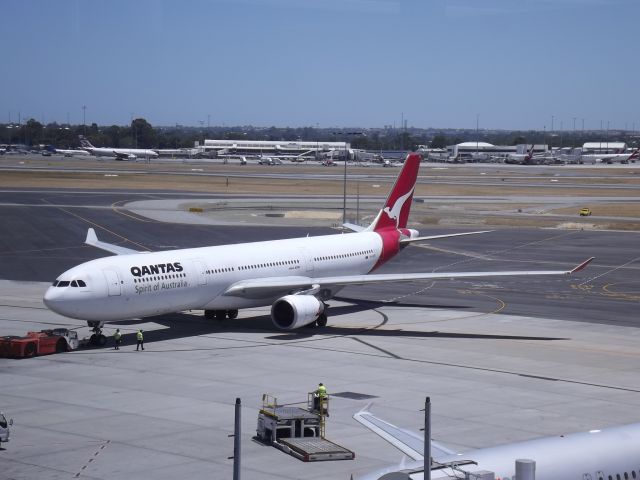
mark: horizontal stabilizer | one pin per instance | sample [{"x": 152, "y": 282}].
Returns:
[
  {"x": 353, "y": 227},
  {"x": 92, "y": 239},
  {"x": 435, "y": 237}
]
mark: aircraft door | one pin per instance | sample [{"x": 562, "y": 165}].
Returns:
[
  {"x": 113, "y": 282},
  {"x": 306, "y": 260},
  {"x": 201, "y": 271}
]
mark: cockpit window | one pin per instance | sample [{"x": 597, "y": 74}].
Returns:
[
  {"x": 66, "y": 283},
  {"x": 3, "y": 421}
]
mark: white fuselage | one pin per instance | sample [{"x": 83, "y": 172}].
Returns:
[
  {"x": 146, "y": 284},
  {"x": 122, "y": 152},
  {"x": 592, "y": 455},
  {"x": 606, "y": 158}
]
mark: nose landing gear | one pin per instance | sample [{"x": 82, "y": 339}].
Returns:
[{"x": 97, "y": 339}]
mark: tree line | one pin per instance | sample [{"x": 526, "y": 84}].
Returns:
[{"x": 141, "y": 134}]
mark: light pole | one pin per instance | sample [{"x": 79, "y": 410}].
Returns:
[
  {"x": 84, "y": 120},
  {"x": 344, "y": 182}
]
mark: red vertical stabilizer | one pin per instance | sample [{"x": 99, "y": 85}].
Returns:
[{"x": 395, "y": 213}]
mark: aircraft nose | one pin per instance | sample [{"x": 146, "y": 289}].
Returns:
[{"x": 52, "y": 299}]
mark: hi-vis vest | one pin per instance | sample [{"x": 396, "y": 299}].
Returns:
[
  {"x": 322, "y": 391},
  {"x": 117, "y": 335},
  {"x": 139, "y": 335}
]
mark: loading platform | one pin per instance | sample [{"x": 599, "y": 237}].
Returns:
[{"x": 299, "y": 431}]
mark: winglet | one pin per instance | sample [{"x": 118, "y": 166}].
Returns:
[
  {"x": 582, "y": 266},
  {"x": 92, "y": 239}
]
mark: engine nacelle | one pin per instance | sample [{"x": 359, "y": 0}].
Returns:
[{"x": 295, "y": 311}]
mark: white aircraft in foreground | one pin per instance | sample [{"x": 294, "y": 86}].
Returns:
[
  {"x": 612, "y": 453},
  {"x": 295, "y": 276},
  {"x": 118, "y": 153}
]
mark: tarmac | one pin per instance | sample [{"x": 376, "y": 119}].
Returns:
[{"x": 502, "y": 361}]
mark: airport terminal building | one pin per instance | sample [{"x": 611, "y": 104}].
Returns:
[{"x": 269, "y": 147}]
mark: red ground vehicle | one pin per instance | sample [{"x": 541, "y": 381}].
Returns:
[{"x": 39, "y": 343}]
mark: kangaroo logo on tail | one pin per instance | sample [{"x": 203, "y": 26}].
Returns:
[{"x": 394, "y": 213}]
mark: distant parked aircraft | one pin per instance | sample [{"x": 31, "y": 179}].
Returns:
[
  {"x": 118, "y": 153},
  {"x": 67, "y": 152}
]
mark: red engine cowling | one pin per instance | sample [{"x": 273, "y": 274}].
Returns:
[{"x": 295, "y": 311}]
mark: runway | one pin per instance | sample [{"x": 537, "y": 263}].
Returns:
[{"x": 501, "y": 360}]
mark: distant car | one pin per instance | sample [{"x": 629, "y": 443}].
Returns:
[
  {"x": 585, "y": 212},
  {"x": 46, "y": 153}
]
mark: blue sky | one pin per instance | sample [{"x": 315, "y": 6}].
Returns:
[{"x": 331, "y": 63}]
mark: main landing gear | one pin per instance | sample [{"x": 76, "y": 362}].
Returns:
[
  {"x": 220, "y": 314},
  {"x": 321, "y": 321}
]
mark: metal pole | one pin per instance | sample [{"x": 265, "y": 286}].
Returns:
[
  {"x": 427, "y": 439},
  {"x": 344, "y": 193},
  {"x": 477, "y": 131},
  {"x": 236, "y": 442},
  {"x": 357, "y": 203}
]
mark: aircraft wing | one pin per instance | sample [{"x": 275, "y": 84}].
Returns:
[
  {"x": 269, "y": 287},
  {"x": 92, "y": 239},
  {"x": 408, "y": 442}
]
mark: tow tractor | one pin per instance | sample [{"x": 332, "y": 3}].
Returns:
[
  {"x": 43, "y": 342},
  {"x": 298, "y": 431}
]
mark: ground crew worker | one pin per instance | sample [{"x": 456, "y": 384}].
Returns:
[
  {"x": 140, "y": 339},
  {"x": 319, "y": 397},
  {"x": 117, "y": 338}
]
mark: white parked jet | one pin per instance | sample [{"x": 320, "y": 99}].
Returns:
[
  {"x": 295, "y": 276},
  {"x": 609, "y": 158},
  {"x": 118, "y": 153},
  {"x": 68, "y": 152},
  {"x": 595, "y": 455}
]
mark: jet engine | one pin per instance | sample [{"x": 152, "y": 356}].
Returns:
[{"x": 295, "y": 311}]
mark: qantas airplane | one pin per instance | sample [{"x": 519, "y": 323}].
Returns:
[
  {"x": 611, "y": 453},
  {"x": 295, "y": 276},
  {"x": 118, "y": 153},
  {"x": 610, "y": 157}
]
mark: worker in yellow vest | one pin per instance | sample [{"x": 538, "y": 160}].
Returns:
[
  {"x": 320, "y": 397},
  {"x": 140, "y": 339},
  {"x": 117, "y": 338}
]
